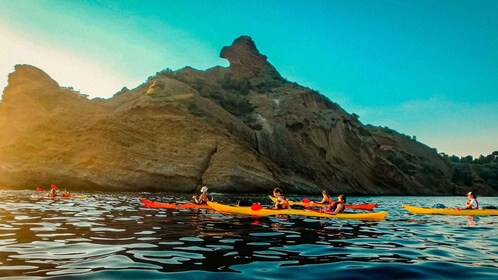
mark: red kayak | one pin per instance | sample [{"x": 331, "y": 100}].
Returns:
[{"x": 154, "y": 204}]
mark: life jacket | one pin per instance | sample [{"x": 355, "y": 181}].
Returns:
[
  {"x": 470, "y": 204},
  {"x": 334, "y": 205},
  {"x": 282, "y": 202}
]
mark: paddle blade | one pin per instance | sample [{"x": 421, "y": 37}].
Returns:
[
  {"x": 39, "y": 189},
  {"x": 256, "y": 207},
  {"x": 54, "y": 187},
  {"x": 305, "y": 200}
]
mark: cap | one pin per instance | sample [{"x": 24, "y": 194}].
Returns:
[{"x": 204, "y": 189}]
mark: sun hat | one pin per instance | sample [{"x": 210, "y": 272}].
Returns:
[{"x": 204, "y": 189}]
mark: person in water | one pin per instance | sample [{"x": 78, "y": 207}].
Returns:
[
  {"x": 282, "y": 202},
  {"x": 66, "y": 193},
  {"x": 203, "y": 198},
  {"x": 338, "y": 206},
  {"x": 326, "y": 199},
  {"x": 472, "y": 202}
]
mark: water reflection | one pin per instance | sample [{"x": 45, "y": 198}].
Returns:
[{"x": 106, "y": 233}]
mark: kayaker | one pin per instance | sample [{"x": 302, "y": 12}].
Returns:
[
  {"x": 338, "y": 206},
  {"x": 203, "y": 198},
  {"x": 53, "y": 193},
  {"x": 326, "y": 199},
  {"x": 282, "y": 202},
  {"x": 472, "y": 202},
  {"x": 66, "y": 193}
]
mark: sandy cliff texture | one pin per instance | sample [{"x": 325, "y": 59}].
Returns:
[{"x": 238, "y": 129}]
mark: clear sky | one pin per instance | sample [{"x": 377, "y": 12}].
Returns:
[{"x": 424, "y": 68}]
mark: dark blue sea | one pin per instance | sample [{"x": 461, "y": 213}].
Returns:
[{"x": 110, "y": 236}]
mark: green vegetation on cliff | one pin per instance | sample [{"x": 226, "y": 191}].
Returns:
[{"x": 473, "y": 173}]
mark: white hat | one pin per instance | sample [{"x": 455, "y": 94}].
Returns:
[{"x": 204, "y": 189}]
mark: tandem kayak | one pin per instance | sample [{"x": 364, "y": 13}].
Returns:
[
  {"x": 247, "y": 210},
  {"x": 58, "y": 197},
  {"x": 367, "y": 206},
  {"x": 451, "y": 211},
  {"x": 154, "y": 204}
]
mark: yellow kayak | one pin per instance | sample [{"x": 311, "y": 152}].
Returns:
[
  {"x": 375, "y": 216},
  {"x": 451, "y": 211}
]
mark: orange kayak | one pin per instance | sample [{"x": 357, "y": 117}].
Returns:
[
  {"x": 58, "y": 197},
  {"x": 155, "y": 204}
]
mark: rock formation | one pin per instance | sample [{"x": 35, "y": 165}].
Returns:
[{"x": 238, "y": 129}]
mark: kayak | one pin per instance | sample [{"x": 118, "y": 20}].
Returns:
[
  {"x": 247, "y": 210},
  {"x": 155, "y": 204},
  {"x": 59, "y": 197},
  {"x": 451, "y": 211},
  {"x": 366, "y": 206}
]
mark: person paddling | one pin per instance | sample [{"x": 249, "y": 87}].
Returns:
[
  {"x": 53, "y": 191},
  {"x": 338, "y": 206},
  {"x": 472, "y": 202},
  {"x": 203, "y": 198},
  {"x": 282, "y": 202},
  {"x": 66, "y": 193},
  {"x": 326, "y": 199}
]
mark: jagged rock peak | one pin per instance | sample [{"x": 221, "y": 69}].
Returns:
[
  {"x": 246, "y": 60},
  {"x": 24, "y": 73},
  {"x": 27, "y": 79}
]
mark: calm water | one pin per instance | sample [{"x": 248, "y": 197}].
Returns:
[{"x": 109, "y": 235}]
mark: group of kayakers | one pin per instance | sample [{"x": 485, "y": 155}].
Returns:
[
  {"x": 281, "y": 202},
  {"x": 53, "y": 192},
  {"x": 334, "y": 207}
]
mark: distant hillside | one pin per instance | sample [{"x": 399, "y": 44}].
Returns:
[
  {"x": 474, "y": 174},
  {"x": 242, "y": 129}
]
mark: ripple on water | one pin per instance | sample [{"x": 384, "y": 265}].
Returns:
[{"x": 111, "y": 236}]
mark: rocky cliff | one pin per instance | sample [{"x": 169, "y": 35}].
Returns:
[{"x": 238, "y": 129}]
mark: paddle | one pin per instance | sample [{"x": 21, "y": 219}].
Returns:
[
  {"x": 39, "y": 190},
  {"x": 256, "y": 207},
  {"x": 305, "y": 200}
]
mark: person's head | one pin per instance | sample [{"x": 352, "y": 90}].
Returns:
[
  {"x": 471, "y": 195},
  {"x": 277, "y": 192},
  {"x": 324, "y": 192},
  {"x": 204, "y": 189},
  {"x": 342, "y": 198}
]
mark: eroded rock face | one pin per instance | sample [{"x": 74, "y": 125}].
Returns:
[
  {"x": 238, "y": 129},
  {"x": 246, "y": 61}
]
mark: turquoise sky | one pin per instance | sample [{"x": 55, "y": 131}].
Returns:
[{"x": 424, "y": 68}]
